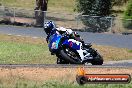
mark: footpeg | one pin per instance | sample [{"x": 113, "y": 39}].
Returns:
[{"x": 87, "y": 45}]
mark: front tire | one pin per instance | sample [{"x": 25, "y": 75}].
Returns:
[{"x": 61, "y": 61}]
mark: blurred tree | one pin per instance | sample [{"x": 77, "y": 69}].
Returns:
[
  {"x": 128, "y": 12},
  {"x": 94, "y": 7},
  {"x": 98, "y": 8},
  {"x": 127, "y": 21}
]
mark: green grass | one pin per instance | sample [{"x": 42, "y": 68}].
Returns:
[
  {"x": 53, "y": 5},
  {"x": 68, "y": 85},
  {"x": 54, "y": 84},
  {"x": 130, "y": 51},
  {"x": 22, "y": 53},
  {"x": 26, "y": 50},
  {"x": 62, "y": 5},
  {"x": 25, "y": 4}
]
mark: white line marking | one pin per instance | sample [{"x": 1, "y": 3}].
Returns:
[{"x": 24, "y": 36}]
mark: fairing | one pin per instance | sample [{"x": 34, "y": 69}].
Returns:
[{"x": 54, "y": 42}]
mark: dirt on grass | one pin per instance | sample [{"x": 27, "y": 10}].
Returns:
[
  {"x": 58, "y": 74},
  {"x": 114, "y": 53},
  {"x": 22, "y": 20}
]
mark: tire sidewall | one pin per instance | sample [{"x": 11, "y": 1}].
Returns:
[{"x": 98, "y": 59}]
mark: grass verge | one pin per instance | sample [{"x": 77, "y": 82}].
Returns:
[
  {"x": 55, "y": 84},
  {"x": 27, "y": 77},
  {"x": 113, "y": 53},
  {"x": 53, "y": 5},
  {"x": 17, "y": 53},
  {"x": 67, "y": 85},
  {"x": 22, "y": 50}
]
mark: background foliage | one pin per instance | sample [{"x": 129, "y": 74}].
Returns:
[
  {"x": 99, "y": 8},
  {"x": 128, "y": 16}
]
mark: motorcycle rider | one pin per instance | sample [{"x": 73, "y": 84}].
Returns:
[{"x": 50, "y": 28}]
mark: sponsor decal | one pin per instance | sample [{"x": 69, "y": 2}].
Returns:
[{"x": 54, "y": 45}]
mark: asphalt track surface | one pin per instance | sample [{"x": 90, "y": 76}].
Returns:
[
  {"x": 123, "y": 41},
  {"x": 108, "y": 65}
]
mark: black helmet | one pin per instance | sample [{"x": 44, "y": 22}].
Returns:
[{"x": 48, "y": 26}]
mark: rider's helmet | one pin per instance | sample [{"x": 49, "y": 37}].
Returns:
[{"x": 49, "y": 26}]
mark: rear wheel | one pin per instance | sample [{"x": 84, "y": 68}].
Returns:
[{"x": 97, "y": 58}]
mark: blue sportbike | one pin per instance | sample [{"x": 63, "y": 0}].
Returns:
[{"x": 69, "y": 50}]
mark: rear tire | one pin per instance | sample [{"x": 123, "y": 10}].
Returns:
[{"x": 98, "y": 60}]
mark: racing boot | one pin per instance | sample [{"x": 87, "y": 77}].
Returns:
[
  {"x": 87, "y": 45},
  {"x": 52, "y": 53}
]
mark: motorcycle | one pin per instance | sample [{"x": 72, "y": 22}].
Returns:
[{"x": 71, "y": 51}]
